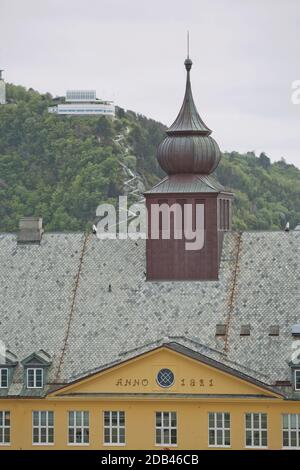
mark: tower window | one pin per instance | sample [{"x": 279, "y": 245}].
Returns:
[{"x": 35, "y": 378}]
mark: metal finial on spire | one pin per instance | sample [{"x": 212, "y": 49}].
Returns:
[{"x": 188, "y": 63}]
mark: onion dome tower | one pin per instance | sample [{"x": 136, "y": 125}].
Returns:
[
  {"x": 188, "y": 147},
  {"x": 189, "y": 156}
]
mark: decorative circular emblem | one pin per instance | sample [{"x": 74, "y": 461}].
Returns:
[{"x": 165, "y": 378}]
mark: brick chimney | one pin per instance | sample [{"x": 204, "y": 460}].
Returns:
[{"x": 30, "y": 230}]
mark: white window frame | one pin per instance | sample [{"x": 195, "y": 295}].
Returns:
[
  {"x": 5, "y": 426},
  {"x": 163, "y": 427},
  {"x": 1, "y": 378},
  {"x": 296, "y": 371},
  {"x": 252, "y": 429},
  {"x": 79, "y": 427},
  {"x": 110, "y": 427},
  {"x": 290, "y": 430},
  {"x": 39, "y": 426},
  {"x": 217, "y": 429},
  {"x": 34, "y": 369}
]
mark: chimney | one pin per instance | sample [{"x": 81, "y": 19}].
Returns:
[{"x": 30, "y": 230}]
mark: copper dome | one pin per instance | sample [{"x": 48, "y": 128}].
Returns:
[{"x": 188, "y": 147}]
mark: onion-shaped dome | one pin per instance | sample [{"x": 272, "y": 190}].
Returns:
[{"x": 188, "y": 147}]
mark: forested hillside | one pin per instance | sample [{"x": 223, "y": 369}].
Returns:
[{"x": 61, "y": 168}]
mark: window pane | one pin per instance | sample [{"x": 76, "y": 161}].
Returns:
[
  {"x": 256, "y": 421},
  {"x": 285, "y": 438},
  {"x": 39, "y": 377},
  {"x": 50, "y": 435},
  {"x": 114, "y": 417},
  {"x": 158, "y": 436},
  {"x": 106, "y": 435},
  {"x": 256, "y": 438},
  {"x": 211, "y": 420},
  {"x": 7, "y": 418},
  {"x": 122, "y": 418},
  {"x": 158, "y": 419},
  {"x": 248, "y": 438},
  {"x": 293, "y": 421},
  {"x": 86, "y": 435},
  {"x": 211, "y": 437},
  {"x": 78, "y": 418},
  {"x": 86, "y": 418},
  {"x": 219, "y": 420},
  {"x": 6, "y": 436},
  {"x": 264, "y": 421},
  {"x": 71, "y": 435},
  {"x": 106, "y": 418},
  {"x": 166, "y": 436},
  {"x": 43, "y": 418},
  {"x": 50, "y": 418},
  {"x": 227, "y": 438},
  {"x": 166, "y": 419},
  {"x": 173, "y": 419},
  {"x": 122, "y": 435},
  {"x": 35, "y": 435},
  {"x": 248, "y": 420},
  {"x": 285, "y": 421},
  {"x": 114, "y": 434},
  {"x": 43, "y": 435},
  {"x": 35, "y": 418},
  {"x": 219, "y": 437},
  {"x": 173, "y": 436},
  {"x": 264, "y": 440},
  {"x": 293, "y": 438},
  {"x": 71, "y": 418}
]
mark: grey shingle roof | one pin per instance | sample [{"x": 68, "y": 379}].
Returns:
[{"x": 55, "y": 297}]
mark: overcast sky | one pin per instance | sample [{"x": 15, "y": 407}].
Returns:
[{"x": 246, "y": 54}]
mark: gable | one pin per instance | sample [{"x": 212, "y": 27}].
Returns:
[{"x": 139, "y": 375}]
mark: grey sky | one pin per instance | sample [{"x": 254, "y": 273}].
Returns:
[{"x": 245, "y": 54}]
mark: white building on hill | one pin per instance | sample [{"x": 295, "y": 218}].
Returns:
[{"x": 83, "y": 103}]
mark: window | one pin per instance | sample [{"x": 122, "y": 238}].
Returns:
[
  {"x": 256, "y": 430},
  {"x": 3, "y": 378},
  {"x": 219, "y": 429},
  {"x": 4, "y": 427},
  {"x": 297, "y": 379},
  {"x": 165, "y": 378},
  {"x": 42, "y": 427},
  {"x": 291, "y": 430},
  {"x": 35, "y": 378},
  {"x": 79, "y": 427},
  {"x": 114, "y": 427},
  {"x": 166, "y": 428}
]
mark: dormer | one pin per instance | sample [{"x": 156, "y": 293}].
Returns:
[
  {"x": 7, "y": 363},
  {"x": 35, "y": 369}
]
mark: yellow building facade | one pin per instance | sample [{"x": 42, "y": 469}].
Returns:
[{"x": 204, "y": 400}]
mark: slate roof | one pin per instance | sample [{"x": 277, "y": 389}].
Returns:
[
  {"x": 187, "y": 184},
  {"x": 55, "y": 297}
]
